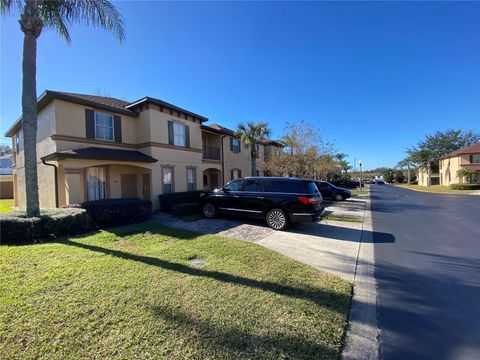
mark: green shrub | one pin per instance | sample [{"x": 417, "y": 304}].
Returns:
[
  {"x": 168, "y": 200},
  {"x": 109, "y": 212},
  {"x": 185, "y": 209},
  {"x": 465, "y": 186},
  {"x": 16, "y": 228}
]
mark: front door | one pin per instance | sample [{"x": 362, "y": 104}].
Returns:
[
  {"x": 146, "y": 186},
  {"x": 213, "y": 181},
  {"x": 128, "y": 185}
]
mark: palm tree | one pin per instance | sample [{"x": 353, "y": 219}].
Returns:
[
  {"x": 58, "y": 15},
  {"x": 407, "y": 162},
  {"x": 250, "y": 135},
  {"x": 468, "y": 174}
]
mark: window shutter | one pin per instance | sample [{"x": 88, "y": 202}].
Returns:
[
  {"x": 239, "y": 146},
  {"x": 231, "y": 144},
  {"x": 231, "y": 174},
  {"x": 117, "y": 128},
  {"x": 170, "y": 132},
  {"x": 239, "y": 173},
  {"x": 89, "y": 124},
  {"x": 187, "y": 136},
  {"x": 471, "y": 159}
]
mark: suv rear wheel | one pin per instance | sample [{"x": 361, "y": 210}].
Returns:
[
  {"x": 277, "y": 219},
  {"x": 338, "y": 197},
  {"x": 208, "y": 210}
]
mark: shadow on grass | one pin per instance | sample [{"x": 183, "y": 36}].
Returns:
[
  {"x": 326, "y": 298},
  {"x": 235, "y": 342}
]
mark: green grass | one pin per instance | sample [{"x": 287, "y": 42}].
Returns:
[
  {"x": 130, "y": 292},
  {"x": 435, "y": 189},
  {"x": 343, "y": 218},
  {"x": 6, "y": 205}
]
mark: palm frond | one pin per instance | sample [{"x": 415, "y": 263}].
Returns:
[{"x": 11, "y": 7}]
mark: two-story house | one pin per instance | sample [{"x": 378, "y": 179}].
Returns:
[
  {"x": 95, "y": 147},
  {"x": 444, "y": 170}
]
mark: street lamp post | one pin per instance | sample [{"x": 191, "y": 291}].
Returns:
[{"x": 361, "y": 177}]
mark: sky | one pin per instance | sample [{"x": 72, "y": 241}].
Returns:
[{"x": 373, "y": 77}]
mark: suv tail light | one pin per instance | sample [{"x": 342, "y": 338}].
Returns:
[{"x": 309, "y": 200}]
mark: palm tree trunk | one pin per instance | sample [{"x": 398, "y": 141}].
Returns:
[
  {"x": 253, "y": 155},
  {"x": 408, "y": 174},
  {"x": 31, "y": 27}
]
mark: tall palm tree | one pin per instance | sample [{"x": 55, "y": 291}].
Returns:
[
  {"x": 250, "y": 135},
  {"x": 58, "y": 15},
  {"x": 407, "y": 162}
]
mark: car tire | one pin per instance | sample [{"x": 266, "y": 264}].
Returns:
[
  {"x": 209, "y": 211},
  {"x": 339, "y": 197},
  {"x": 277, "y": 219}
]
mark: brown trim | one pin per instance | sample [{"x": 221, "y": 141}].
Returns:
[
  {"x": 125, "y": 145},
  {"x": 72, "y": 171}
]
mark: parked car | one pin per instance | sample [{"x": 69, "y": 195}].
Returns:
[
  {"x": 330, "y": 191},
  {"x": 379, "y": 182},
  {"x": 280, "y": 201},
  {"x": 350, "y": 184}
]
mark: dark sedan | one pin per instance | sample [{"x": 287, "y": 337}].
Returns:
[{"x": 330, "y": 191}]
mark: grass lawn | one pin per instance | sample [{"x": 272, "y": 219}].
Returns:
[
  {"x": 6, "y": 205},
  {"x": 436, "y": 189},
  {"x": 131, "y": 292},
  {"x": 343, "y": 218}
]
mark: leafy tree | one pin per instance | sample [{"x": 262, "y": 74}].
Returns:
[
  {"x": 5, "y": 149},
  {"x": 388, "y": 175},
  {"x": 467, "y": 174},
  {"x": 399, "y": 177},
  {"x": 35, "y": 15},
  {"x": 408, "y": 163},
  {"x": 306, "y": 154},
  {"x": 250, "y": 134},
  {"x": 440, "y": 144}
]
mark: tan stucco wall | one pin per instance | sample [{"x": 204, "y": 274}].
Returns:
[
  {"x": 448, "y": 171},
  {"x": 241, "y": 160},
  {"x": 422, "y": 176}
]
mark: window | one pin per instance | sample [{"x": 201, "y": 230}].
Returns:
[
  {"x": 103, "y": 126},
  {"x": 167, "y": 178},
  {"x": 284, "y": 186},
  {"x": 236, "y": 174},
  {"x": 17, "y": 142},
  {"x": 179, "y": 135},
  {"x": 475, "y": 159},
  {"x": 235, "y": 185},
  {"x": 253, "y": 185},
  {"x": 191, "y": 179},
  {"x": 235, "y": 145},
  {"x": 257, "y": 172},
  {"x": 310, "y": 187},
  {"x": 96, "y": 183}
]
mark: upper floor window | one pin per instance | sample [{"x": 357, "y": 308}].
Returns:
[
  {"x": 475, "y": 159},
  {"x": 235, "y": 144},
  {"x": 179, "y": 134},
  {"x": 103, "y": 126},
  {"x": 17, "y": 142}
]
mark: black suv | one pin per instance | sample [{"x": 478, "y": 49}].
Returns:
[{"x": 280, "y": 201}]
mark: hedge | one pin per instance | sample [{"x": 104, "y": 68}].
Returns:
[
  {"x": 168, "y": 200},
  {"x": 465, "y": 186},
  {"x": 185, "y": 209},
  {"x": 117, "y": 211},
  {"x": 16, "y": 228}
]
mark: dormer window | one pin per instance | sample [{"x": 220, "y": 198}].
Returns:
[{"x": 104, "y": 126}]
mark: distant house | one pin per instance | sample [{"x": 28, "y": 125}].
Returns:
[
  {"x": 444, "y": 170},
  {"x": 6, "y": 177}
]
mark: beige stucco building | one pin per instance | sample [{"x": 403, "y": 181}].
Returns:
[
  {"x": 444, "y": 171},
  {"x": 94, "y": 147}
]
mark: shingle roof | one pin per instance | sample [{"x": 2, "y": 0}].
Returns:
[
  {"x": 97, "y": 153},
  {"x": 472, "y": 149}
]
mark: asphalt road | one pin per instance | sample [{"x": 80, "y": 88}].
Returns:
[{"x": 428, "y": 274}]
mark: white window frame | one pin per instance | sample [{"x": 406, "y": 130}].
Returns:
[
  {"x": 164, "y": 170},
  {"x": 235, "y": 147},
  {"x": 179, "y": 134},
  {"x": 236, "y": 174},
  {"x": 96, "y": 183},
  {"x": 104, "y": 126},
  {"x": 191, "y": 179}
]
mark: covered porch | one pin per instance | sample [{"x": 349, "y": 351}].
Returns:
[
  {"x": 212, "y": 179},
  {"x": 95, "y": 175}
]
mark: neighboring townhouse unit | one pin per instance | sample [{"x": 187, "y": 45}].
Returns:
[
  {"x": 95, "y": 147},
  {"x": 444, "y": 170},
  {"x": 6, "y": 177}
]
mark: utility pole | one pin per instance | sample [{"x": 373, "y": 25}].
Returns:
[{"x": 361, "y": 175}]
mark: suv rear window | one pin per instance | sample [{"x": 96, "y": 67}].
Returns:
[
  {"x": 284, "y": 186},
  {"x": 310, "y": 187}
]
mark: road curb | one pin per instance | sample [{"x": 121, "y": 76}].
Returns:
[{"x": 361, "y": 341}]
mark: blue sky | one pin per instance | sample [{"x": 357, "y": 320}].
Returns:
[{"x": 374, "y": 77}]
